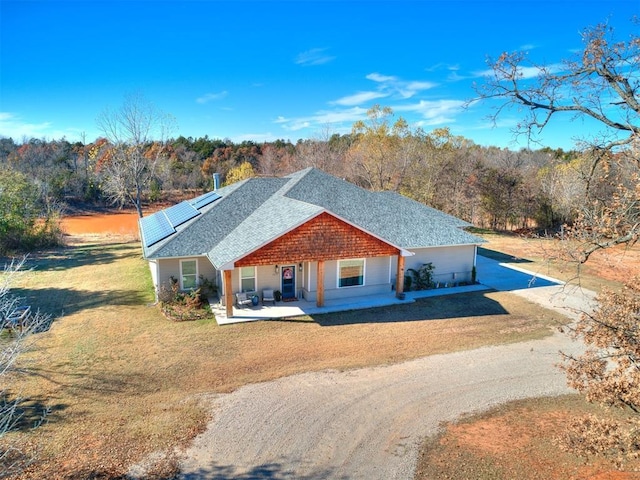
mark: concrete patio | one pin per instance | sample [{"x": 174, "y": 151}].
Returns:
[{"x": 303, "y": 307}]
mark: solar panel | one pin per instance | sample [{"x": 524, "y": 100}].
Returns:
[
  {"x": 180, "y": 213},
  {"x": 155, "y": 227},
  {"x": 204, "y": 200}
]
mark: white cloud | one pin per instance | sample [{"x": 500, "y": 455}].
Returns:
[
  {"x": 296, "y": 124},
  {"x": 525, "y": 73},
  {"x": 209, "y": 97},
  {"x": 315, "y": 56},
  {"x": 409, "y": 89},
  {"x": 526, "y": 47},
  {"x": 350, "y": 115},
  {"x": 394, "y": 85},
  {"x": 323, "y": 118},
  {"x": 442, "y": 66},
  {"x": 376, "y": 77},
  {"x": 528, "y": 72},
  {"x": 434, "y": 112},
  {"x": 12, "y": 126},
  {"x": 359, "y": 98}
]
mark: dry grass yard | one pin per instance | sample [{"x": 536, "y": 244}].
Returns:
[{"x": 122, "y": 382}]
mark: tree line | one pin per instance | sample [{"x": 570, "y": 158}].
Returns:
[{"x": 488, "y": 186}]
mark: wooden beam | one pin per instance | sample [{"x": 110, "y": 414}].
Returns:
[
  {"x": 400, "y": 276},
  {"x": 228, "y": 293},
  {"x": 320, "y": 283}
]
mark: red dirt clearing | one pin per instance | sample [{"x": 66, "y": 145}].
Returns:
[{"x": 101, "y": 223}]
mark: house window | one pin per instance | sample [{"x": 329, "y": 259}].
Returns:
[
  {"x": 350, "y": 273},
  {"x": 248, "y": 279},
  {"x": 188, "y": 274}
]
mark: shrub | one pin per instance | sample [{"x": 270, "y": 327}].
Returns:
[
  {"x": 421, "y": 278},
  {"x": 181, "y": 306}
]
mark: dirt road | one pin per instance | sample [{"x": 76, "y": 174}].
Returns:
[{"x": 368, "y": 423}]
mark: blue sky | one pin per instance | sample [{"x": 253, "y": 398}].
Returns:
[{"x": 267, "y": 70}]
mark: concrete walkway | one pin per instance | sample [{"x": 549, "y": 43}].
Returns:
[
  {"x": 491, "y": 275},
  {"x": 570, "y": 300}
]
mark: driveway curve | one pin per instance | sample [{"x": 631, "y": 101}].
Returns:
[{"x": 369, "y": 423}]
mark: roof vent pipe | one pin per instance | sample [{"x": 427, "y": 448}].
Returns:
[{"x": 216, "y": 181}]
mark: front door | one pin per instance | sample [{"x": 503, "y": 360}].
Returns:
[{"x": 289, "y": 282}]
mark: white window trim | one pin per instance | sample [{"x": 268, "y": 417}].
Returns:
[
  {"x": 182, "y": 275},
  {"x": 255, "y": 278},
  {"x": 364, "y": 272}
]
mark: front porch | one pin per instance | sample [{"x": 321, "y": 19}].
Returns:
[{"x": 302, "y": 307}]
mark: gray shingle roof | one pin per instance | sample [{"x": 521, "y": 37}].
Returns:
[
  {"x": 393, "y": 217},
  {"x": 256, "y": 211}
]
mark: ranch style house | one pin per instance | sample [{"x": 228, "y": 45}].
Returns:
[{"x": 307, "y": 235}]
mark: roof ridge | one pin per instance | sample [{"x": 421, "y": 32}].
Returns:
[{"x": 294, "y": 179}]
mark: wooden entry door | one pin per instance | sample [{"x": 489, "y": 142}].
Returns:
[{"x": 288, "y": 282}]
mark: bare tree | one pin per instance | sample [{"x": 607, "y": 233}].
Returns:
[
  {"x": 601, "y": 84},
  {"x": 15, "y": 342},
  {"x": 136, "y": 132},
  {"x": 274, "y": 160},
  {"x": 322, "y": 152}
]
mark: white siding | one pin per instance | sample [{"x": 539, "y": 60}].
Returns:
[
  {"x": 206, "y": 269},
  {"x": 446, "y": 261},
  {"x": 377, "y": 271},
  {"x": 269, "y": 278},
  {"x": 376, "y": 280},
  {"x": 153, "y": 267},
  {"x": 266, "y": 277},
  {"x": 170, "y": 267}
]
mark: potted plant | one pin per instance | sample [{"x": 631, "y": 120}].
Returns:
[{"x": 277, "y": 295}]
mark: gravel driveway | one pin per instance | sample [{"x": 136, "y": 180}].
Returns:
[{"x": 369, "y": 423}]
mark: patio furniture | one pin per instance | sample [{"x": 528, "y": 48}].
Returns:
[
  {"x": 243, "y": 299},
  {"x": 268, "y": 296}
]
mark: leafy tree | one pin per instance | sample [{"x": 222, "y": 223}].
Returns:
[
  {"x": 500, "y": 191},
  {"x": 231, "y": 156},
  {"x": 444, "y": 173},
  {"x": 382, "y": 153},
  {"x": 241, "y": 172},
  {"x": 136, "y": 133},
  {"x": 608, "y": 373},
  {"x": 25, "y": 222},
  {"x": 600, "y": 85}
]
